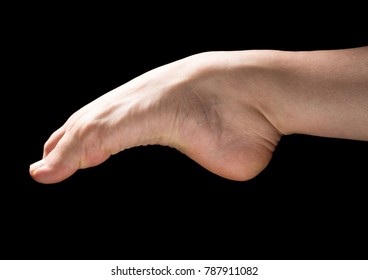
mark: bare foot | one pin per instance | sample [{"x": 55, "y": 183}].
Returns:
[{"x": 207, "y": 106}]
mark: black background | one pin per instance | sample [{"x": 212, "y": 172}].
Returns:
[{"x": 153, "y": 202}]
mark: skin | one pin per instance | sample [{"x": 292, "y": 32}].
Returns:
[{"x": 225, "y": 110}]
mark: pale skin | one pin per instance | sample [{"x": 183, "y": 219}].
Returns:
[{"x": 225, "y": 110}]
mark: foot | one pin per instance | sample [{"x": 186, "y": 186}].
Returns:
[{"x": 206, "y": 106}]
